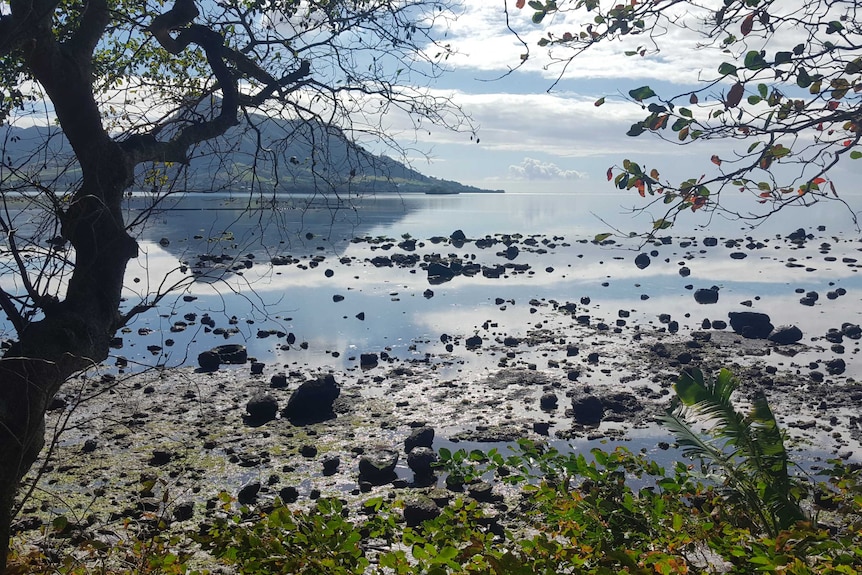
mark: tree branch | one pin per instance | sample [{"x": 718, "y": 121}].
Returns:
[{"x": 12, "y": 312}]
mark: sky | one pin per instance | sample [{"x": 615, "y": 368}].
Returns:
[{"x": 538, "y": 126}]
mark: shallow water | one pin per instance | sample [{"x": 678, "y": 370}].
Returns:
[{"x": 401, "y": 318}]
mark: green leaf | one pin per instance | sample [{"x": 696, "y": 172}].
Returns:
[
  {"x": 855, "y": 154},
  {"x": 661, "y": 224},
  {"x": 727, "y": 69},
  {"x": 538, "y": 17},
  {"x": 636, "y": 130},
  {"x": 599, "y": 238},
  {"x": 754, "y": 60},
  {"x": 803, "y": 80},
  {"x": 642, "y": 93},
  {"x": 685, "y": 112},
  {"x": 783, "y": 58}
]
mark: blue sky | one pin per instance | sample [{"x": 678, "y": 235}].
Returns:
[{"x": 531, "y": 139}]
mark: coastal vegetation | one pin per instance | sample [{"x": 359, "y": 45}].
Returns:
[{"x": 739, "y": 505}]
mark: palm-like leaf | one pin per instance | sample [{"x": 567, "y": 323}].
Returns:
[{"x": 748, "y": 451}]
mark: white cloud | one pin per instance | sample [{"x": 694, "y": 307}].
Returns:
[{"x": 533, "y": 169}]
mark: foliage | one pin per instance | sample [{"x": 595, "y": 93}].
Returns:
[
  {"x": 787, "y": 86},
  {"x": 597, "y": 513},
  {"x": 746, "y": 451}
]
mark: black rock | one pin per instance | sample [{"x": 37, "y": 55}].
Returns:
[
  {"x": 706, "y": 296},
  {"x": 209, "y": 361},
  {"x": 257, "y": 367},
  {"x": 836, "y": 366},
  {"x": 232, "y": 353},
  {"x": 587, "y": 410},
  {"x": 785, "y": 335},
  {"x": 419, "y": 437},
  {"x": 248, "y": 493},
  {"x": 308, "y": 450},
  {"x": 261, "y": 408},
  {"x": 278, "y": 380},
  {"x": 420, "y": 461},
  {"x": 312, "y": 401},
  {"x": 642, "y": 261},
  {"x": 473, "y": 342},
  {"x": 368, "y": 360},
  {"x": 289, "y": 494},
  {"x": 750, "y": 324},
  {"x": 377, "y": 466},
  {"x": 440, "y": 273},
  {"x": 330, "y": 464},
  {"x": 418, "y": 509},
  {"x": 548, "y": 401},
  {"x": 89, "y": 446},
  {"x": 184, "y": 511}
]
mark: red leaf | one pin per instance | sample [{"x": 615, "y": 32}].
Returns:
[
  {"x": 567, "y": 37},
  {"x": 610, "y": 174},
  {"x": 765, "y": 194},
  {"x": 520, "y": 4},
  {"x": 846, "y": 143},
  {"x": 734, "y": 96},
  {"x": 818, "y": 181},
  {"x": 747, "y": 24},
  {"x": 692, "y": 99},
  {"x": 715, "y": 160},
  {"x": 834, "y": 193},
  {"x": 640, "y": 186},
  {"x": 833, "y": 105}
]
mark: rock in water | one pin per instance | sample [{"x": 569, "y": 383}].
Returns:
[
  {"x": 786, "y": 334},
  {"x": 750, "y": 324},
  {"x": 377, "y": 466},
  {"x": 419, "y": 437},
  {"x": 706, "y": 296},
  {"x": 420, "y": 461},
  {"x": 588, "y": 410},
  {"x": 312, "y": 401}
]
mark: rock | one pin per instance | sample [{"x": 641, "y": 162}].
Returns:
[
  {"x": 419, "y": 437},
  {"x": 750, "y": 324},
  {"x": 261, "y": 408},
  {"x": 473, "y": 342},
  {"x": 377, "y": 466},
  {"x": 89, "y": 446},
  {"x": 232, "y": 353},
  {"x": 836, "y": 366},
  {"x": 420, "y": 461},
  {"x": 439, "y": 273},
  {"x": 288, "y": 494},
  {"x": 368, "y": 360},
  {"x": 308, "y": 450},
  {"x": 248, "y": 493},
  {"x": 785, "y": 335},
  {"x": 330, "y": 464},
  {"x": 642, "y": 261},
  {"x": 209, "y": 361},
  {"x": 312, "y": 401},
  {"x": 587, "y": 410},
  {"x": 548, "y": 401},
  {"x": 851, "y": 330},
  {"x": 184, "y": 511},
  {"x": 418, "y": 509},
  {"x": 278, "y": 380},
  {"x": 160, "y": 457},
  {"x": 706, "y": 296},
  {"x": 483, "y": 492},
  {"x": 257, "y": 367}
]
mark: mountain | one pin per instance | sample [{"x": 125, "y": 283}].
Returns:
[{"x": 279, "y": 156}]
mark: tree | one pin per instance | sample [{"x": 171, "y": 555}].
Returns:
[
  {"x": 787, "y": 88},
  {"x": 132, "y": 110}
]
